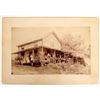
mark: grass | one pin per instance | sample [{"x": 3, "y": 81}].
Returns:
[{"x": 59, "y": 68}]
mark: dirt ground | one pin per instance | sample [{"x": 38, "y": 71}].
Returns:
[{"x": 58, "y": 68}]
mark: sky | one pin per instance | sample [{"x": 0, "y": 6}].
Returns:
[{"x": 27, "y": 34}]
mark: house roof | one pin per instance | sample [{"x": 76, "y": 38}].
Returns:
[
  {"x": 30, "y": 42},
  {"x": 57, "y": 37},
  {"x": 41, "y": 39},
  {"x": 37, "y": 47}
]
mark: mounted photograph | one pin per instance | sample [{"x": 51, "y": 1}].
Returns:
[{"x": 50, "y": 50}]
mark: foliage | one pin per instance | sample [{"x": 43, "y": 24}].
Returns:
[{"x": 75, "y": 45}]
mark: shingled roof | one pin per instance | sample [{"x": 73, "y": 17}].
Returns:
[{"x": 41, "y": 38}]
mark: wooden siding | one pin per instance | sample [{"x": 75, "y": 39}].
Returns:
[
  {"x": 51, "y": 42},
  {"x": 31, "y": 45}
]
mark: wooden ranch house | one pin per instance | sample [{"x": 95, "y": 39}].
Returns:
[{"x": 42, "y": 51}]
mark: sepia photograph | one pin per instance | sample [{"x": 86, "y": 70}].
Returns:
[{"x": 50, "y": 50}]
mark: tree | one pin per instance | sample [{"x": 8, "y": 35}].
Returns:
[{"x": 73, "y": 44}]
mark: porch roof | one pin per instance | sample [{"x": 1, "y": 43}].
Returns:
[{"x": 37, "y": 47}]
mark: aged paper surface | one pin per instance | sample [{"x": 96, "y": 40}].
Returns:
[{"x": 20, "y": 31}]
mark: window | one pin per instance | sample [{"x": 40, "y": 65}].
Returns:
[{"x": 22, "y": 48}]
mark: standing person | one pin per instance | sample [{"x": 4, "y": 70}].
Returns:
[
  {"x": 48, "y": 57},
  {"x": 31, "y": 59}
]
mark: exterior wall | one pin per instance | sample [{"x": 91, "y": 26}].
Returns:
[
  {"x": 31, "y": 45},
  {"x": 51, "y": 42}
]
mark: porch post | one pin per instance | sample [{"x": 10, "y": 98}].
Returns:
[
  {"x": 54, "y": 56},
  {"x": 42, "y": 56},
  {"x": 64, "y": 55},
  {"x": 33, "y": 53}
]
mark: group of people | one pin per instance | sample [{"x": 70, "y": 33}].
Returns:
[
  {"x": 53, "y": 59},
  {"x": 68, "y": 58},
  {"x": 49, "y": 58}
]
